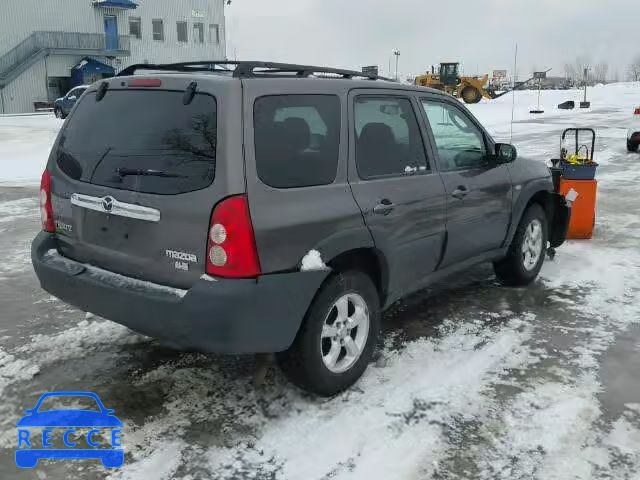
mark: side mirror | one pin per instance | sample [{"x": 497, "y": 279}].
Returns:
[
  {"x": 29, "y": 410},
  {"x": 505, "y": 153}
]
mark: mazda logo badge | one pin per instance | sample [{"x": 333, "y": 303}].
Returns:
[{"x": 107, "y": 203}]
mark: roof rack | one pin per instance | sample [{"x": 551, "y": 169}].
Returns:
[{"x": 249, "y": 69}]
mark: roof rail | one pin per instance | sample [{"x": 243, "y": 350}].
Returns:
[{"x": 249, "y": 69}]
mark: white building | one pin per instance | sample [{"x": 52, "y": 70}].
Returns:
[{"x": 41, "y": 41}]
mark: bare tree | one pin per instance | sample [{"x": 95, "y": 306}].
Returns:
[
  {"x": 569, "y": 71},
  {"x": 634, "y": 69},
  {"x": 616, "y": 76},
  {"x": 599, "y": 72},
  {"x": 575, "y": 70}
]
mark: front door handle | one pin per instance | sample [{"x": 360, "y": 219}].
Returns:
[
  {"x": 460, "y": 192},
  {"x": 385, "y": 207}
]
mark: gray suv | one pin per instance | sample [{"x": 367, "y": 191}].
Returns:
[{"x": 252, "y": 207}]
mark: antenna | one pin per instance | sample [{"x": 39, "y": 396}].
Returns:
[{"x": 513, "y": 92}]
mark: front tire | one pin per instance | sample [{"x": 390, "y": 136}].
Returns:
[
  {"x": 526, "y": 253},
  {"x": 337, "y": 338},
  {"x": 471, "y": 95},
  {"x": 59, "y": 114}
]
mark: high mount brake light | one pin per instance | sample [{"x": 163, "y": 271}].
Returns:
[{"x": 145, "y": 82}]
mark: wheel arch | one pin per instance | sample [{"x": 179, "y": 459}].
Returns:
[
  {"x": 539, "y": 196},
  {"x": 368, "y": 260}
]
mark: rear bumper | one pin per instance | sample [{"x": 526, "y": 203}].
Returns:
[{"x": 221, "y": 316}]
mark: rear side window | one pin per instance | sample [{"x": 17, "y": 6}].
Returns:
[
  {"x": 297, "y": 138},
  {"x": 388, "y": 139},
  {"x": 141, "y": 140}
]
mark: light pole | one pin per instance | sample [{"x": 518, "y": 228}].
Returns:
[{"x": 396, "y": 52}]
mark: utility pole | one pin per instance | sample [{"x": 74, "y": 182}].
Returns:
[
  {"x": 586, "y": 73},
  {"x": 585, "y": 103},
  {"x": 396, "y": 52}
]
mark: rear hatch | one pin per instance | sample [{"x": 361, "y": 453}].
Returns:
[{"x": 136, "y": 174}]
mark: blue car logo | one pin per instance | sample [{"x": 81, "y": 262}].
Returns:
[{"x": 69, "y": 420}]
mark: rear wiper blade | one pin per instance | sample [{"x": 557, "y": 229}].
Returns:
[{"x": 146, "y": 172}]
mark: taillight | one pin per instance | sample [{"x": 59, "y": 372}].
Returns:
[
  {"x": 637, "y": 112},
  {"x": 46, "y": 208},
  {"x": 231, "y": 245}
]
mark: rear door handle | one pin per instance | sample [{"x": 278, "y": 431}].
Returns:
[
  {"x": 460, "y": 192},
  {"x": 385, "y": 207}
]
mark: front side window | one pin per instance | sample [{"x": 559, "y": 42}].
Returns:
[
  {"x": 388, "y": 139},
  {"x": 182, "y": 31},
  {"x": 158, "y": 29},
  {"x": 297, "y": 139},
  {"x": 198, "y": 32},
  {"x": 459, "y": 142},
  {"x": 135, "y": 27}
]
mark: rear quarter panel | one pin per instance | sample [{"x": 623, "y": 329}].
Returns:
[{"x": 290, "y": 222}]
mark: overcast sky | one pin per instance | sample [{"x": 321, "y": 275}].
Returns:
[{"x": 481, "y": 34}]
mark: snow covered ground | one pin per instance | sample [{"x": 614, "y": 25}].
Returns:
[
  {"x": 473, "y": 381},
  {"x": 25, "y": 142}
]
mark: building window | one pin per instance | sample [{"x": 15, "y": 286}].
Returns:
[
  {"x": 182, "y": 32},
  {"x": 198, "y": 32},
  {"x": 158, "y": 29},
  {"x": 214, "y": 34},
  {"x": 135, "y": 27}
]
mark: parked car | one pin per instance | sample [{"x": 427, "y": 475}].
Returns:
[
  {"x": 633, "y": 134},
  {"x": 259, "y": 208},
  {"x": 62, "y": 106}
]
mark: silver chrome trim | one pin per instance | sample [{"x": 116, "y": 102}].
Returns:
[{"x": 111, "y": 206}]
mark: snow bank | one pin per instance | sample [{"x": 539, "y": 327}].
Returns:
[{"x": 25, "y": 144}]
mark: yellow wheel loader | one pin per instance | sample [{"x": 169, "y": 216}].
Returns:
[{"x": 470, "y": 89}]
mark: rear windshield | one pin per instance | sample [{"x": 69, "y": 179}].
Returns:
[
  {"x": 142, "y": 140},
  {"x": 297, "y": 138}
]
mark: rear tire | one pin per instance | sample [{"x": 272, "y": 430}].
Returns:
[
  {"x": 632, "y": 146},
  {"x": 471, "y": 94},
  {"x": 526, "y": 253},
  {"x": 323, "y": 336}
]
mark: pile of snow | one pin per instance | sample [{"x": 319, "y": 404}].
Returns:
[
  {"x": 25, "y": 144},
  {"x": 313, "y": 261}
]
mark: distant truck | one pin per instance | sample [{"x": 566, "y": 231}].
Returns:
[{"x": 470, "y": 89}]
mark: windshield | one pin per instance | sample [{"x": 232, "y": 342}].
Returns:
[
  {"x": 68, "y": 402},
  {"x": 144, "y": 130}
]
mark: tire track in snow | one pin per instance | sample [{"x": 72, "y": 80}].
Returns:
[
  {"x": 397, "y": 411},
  {"x": 23, "y": 364},
  {"x": 17, "y": 255}
]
